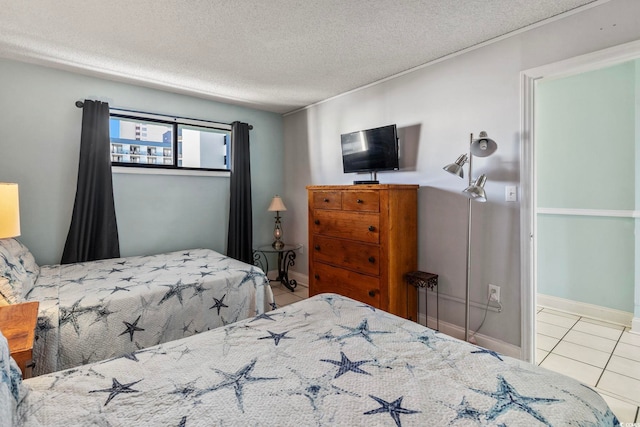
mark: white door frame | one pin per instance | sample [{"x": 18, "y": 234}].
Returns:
[{"x": 528, "y": 244}]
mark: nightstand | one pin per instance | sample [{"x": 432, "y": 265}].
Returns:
[
  {"x": 286, "y": 259},
  {"x": 18, "y": 324}
]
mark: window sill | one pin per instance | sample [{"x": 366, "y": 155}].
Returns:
[{"x": 158, "y": 171}]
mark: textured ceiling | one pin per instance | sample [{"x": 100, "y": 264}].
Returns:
[{"x": 276, "y": 55}]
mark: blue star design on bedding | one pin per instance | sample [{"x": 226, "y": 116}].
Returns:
[
  {"x": 198, "y": 290},
  {"x": 265, "y": 316},
  {"x": 392, "y": 408},
  {"x": 219, "y": 303},
  {"x": 185, "y": 390},
  {"x": 131, "y": 328},
  {"x": 175, "y": 290},
  {"x": 254, "y": 275},
  {"x": 426, "y": 338},
  {"x": 489, "y": 352},
  {"x": 346, "y": 365},
  {"x": 466, "y": 412},
  {"x": 507, "y": 399},
  {"x": 276, "y": 337},
  {"x": 237, "y": 380},
  {"x": 71, "y": 314},
  {"x": 362, "y": 330},
  {"x": 316, "y": 389},
  {"x": 116, "y": 389}
]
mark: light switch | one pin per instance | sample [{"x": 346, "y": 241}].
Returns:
[{"x": 511, "y": 193}]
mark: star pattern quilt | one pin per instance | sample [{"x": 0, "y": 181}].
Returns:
[
  {"x": 96, "y": 310},
  {"x": 327, "y": 361}
]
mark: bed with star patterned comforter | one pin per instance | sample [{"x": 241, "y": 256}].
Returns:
[
  {"x": 95, "y": 310},
  {"x": 327, "y": 361}
]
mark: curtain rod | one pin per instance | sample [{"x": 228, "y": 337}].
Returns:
[{"x": 80, "y": 104}]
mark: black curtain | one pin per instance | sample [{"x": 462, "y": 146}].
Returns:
[
  {"x": 93, "y": 233},
  {"x": 240, "y": 237}
]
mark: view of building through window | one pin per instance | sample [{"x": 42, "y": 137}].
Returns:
[{"x": 152, "y": 143}]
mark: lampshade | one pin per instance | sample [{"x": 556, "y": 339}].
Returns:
[
  {"x": 483, "y": 146},
  {"x": 276, "y": 204},
  {"x": 456, "y": 167},
  {"x": 476, "y": 190},
  {"x": 9, "y": 211}
]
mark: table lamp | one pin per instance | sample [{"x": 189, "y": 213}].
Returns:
[
  {"x": 276, "y": 206},
  {"x": 9, "y": 211}
]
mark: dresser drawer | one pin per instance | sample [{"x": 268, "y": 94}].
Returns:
[
  {"x": 362, "y": 257},
  {"x": 344, "y": 282},
  {"x": 348, "y": 225},
  {"x": 327, "y": 200},
  {"x": 362, "y": 201}
]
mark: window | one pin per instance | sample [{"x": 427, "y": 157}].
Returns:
[{"x": 155, "y": 141}]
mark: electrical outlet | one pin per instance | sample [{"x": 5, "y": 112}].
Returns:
[{"x": 494, "y": 293}]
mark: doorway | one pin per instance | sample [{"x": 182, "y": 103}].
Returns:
[{"x": 581, "y": 196}]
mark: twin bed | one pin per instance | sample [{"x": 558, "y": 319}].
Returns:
[
  {"x": 96, "y": 310},
  {"x": 127, "y": 330},
  {"x": 327, "y": 360}
]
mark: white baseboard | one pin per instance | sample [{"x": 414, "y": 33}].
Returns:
[
  {"x": 587, "y": 310},
  {"x": 481, "y": 340},
  {"x": 302, "y": 279},
  {"x": 635, "y": 326}
]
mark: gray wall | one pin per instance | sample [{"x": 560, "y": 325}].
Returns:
[
  {"x": 438, "y": 106},
  {"x": 40, "y": 139}
]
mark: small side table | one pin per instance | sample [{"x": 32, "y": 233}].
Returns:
[
  {"x": 18, "y": 324},
  {"x": 422, "y": 279},
  {"x": 286, "y": 259}
]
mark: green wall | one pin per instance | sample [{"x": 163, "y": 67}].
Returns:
[
  {"x": 40, "y": 137},
  {"x": 586, "y": 159}
]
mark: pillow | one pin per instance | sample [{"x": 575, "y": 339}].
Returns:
[
  {"x": 11, "y": 389},
  {"x": 19, "y": 268}
]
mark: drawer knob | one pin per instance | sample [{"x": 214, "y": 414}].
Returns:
[
  {"x": 317, "y": 247},
  {"x": 316, "y": 222},
  {"x": 372, "y": 228},
  {"x": 372, "y": 259},
  {"x": 372, "y": 293},
  {"x": 316, "y": 276},
  {"x": 326, "y": 200},
  {"x": 359, "y": 201}
]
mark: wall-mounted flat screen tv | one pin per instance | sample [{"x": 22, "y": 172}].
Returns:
[{"x": 370, "y": 150}]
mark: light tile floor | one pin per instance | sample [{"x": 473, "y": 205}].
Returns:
[
  {"x": 602, "y": 355},
  {"x": 284, "y": 296}
]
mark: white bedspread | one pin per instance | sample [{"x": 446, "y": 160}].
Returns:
[
  {"x": 323, "y": 361},
  {"x": 96, "y": 310}
]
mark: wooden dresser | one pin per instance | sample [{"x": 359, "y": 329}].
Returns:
[{"x": 362, "y": 240}]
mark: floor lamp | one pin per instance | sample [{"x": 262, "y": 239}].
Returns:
[{"x": 483, "y": 146}]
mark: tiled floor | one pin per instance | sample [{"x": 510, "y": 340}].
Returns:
[
  {"x": 602, "y": 355},
  {"x": 284, "y": 296}
]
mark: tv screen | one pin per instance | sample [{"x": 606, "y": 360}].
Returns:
[{"x": 370, "y": 150}]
